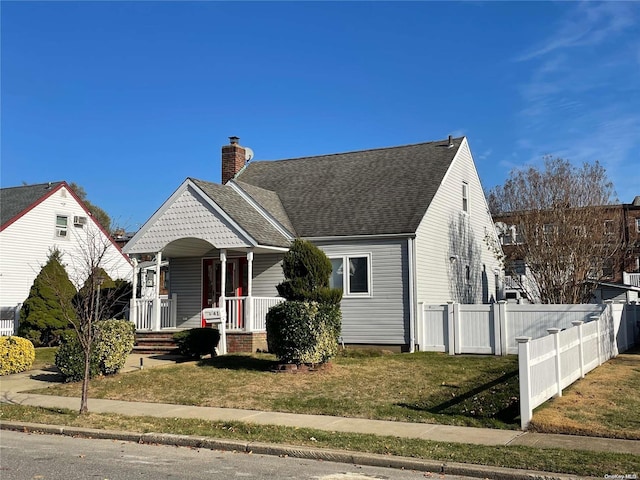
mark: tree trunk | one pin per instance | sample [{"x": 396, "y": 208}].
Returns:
[{"x": 85, "y": 382}]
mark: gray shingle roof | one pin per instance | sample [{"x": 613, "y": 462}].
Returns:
[
  {"x": 15, "y": 200},
  {"x": 369, "y": 192},
  {"x": 243, "y": 213},
  {"x": 270, "y": 202}
]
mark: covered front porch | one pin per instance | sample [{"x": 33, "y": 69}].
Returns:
[
  {"x": 225, "y": 280},
  {"x": 208, "y": 248}
]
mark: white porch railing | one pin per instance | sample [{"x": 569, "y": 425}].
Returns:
[
  {"x": 631, "y": 279},
  {"x": 249, "y": 314},
  {"x": 143, "y": 311}
]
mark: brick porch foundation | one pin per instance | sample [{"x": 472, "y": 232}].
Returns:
[{"x": 243, "y": 342}]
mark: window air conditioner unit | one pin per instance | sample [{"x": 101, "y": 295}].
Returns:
[
  {"x": 79, "y": 221},
  {"x": 61, "y": 233}
]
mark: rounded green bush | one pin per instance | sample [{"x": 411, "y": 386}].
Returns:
[
  {"x": 16, "y": 355},
  {"x": 303, "y": 332},
  {"x": 197, "y": 342},
  {"x": 113, "y": 341}
]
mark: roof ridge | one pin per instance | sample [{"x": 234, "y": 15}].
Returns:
[
  {"x": 360, "y": 151},
  {"x": 33, "y": 185}
]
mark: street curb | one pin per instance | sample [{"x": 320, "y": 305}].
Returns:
[{"x": 339, "y": 456}]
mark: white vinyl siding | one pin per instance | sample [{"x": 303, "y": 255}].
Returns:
[
  {"x": 381, "y": 318},
  {"x": 26, "y": 243},
  {"x": 436, "y": 231}
]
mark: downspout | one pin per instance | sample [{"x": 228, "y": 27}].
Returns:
[{"x": 411, "y": 259}]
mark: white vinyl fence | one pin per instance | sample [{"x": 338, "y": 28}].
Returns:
[
  {"x": 549, "y": 364},
  {"x": 9, "y": 319},
  {"x": 492, "y": 328}
]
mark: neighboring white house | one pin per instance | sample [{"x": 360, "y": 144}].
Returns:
[
  {"x": 36, "y": 219},
  {"x": 402, "y": 226}
]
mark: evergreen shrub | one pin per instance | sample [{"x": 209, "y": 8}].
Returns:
[
  {"x": 45, "y": 314},
  {"x": 112, "y": 343},
  {"x": 16, "y": 355},
  {"x": 197, "y": 342},
  {"x": 306, "y": 327}
]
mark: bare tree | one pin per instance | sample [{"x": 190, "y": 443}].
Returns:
[
  {"x": 95, "y": 300},
  {"x": 468, "y": 282},
  {"x": 561, "y": 223}
]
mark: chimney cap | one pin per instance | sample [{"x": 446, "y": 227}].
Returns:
[{"x": 234, "y": 140}]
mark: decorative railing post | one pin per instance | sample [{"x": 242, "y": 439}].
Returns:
[
  {"x": 556, "y": 342},
  {"x": 157, "y": 304},
  {"x": 526, "y": 412}
]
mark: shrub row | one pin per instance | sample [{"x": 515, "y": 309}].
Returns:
[{"x": 16, "y": 355}]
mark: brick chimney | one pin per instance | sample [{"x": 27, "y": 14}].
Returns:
[{"x": 233, "y": 159}]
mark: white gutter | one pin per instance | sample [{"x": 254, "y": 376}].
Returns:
[{"x": 360, "y": 237}]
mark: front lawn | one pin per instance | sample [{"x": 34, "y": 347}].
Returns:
[
  {"x": 605, "y": 403},
  {"x": 466, "y": 390}
]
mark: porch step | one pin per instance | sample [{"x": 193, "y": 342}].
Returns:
[{"x": 154, "y": 342}]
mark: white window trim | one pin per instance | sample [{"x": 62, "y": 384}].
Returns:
[
  {"x": 59, "y": 229},
  {"x": 637, "y": 224},
  {"x": 345, "y": 283},
  {"x": 465, "y": 196}
]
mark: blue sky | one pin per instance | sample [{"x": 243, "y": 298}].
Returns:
[{"x": 128, "y": 99}]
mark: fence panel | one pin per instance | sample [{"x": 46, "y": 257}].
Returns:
[
  {"x": 433, "y": 331},
  {"x": 477, "y": 329},
  {"x": 9, "y": 320}
]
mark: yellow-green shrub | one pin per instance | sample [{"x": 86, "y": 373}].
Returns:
[{"x": 16, "y": 355}]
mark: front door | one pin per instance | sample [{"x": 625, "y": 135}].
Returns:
[{"x": 235, "y": 285}]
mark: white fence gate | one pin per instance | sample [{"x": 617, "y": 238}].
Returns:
[
  {"x": 492, "y": 329},
  {"x": 549, "y": 364},
  {"x": 9, "y": 320}
]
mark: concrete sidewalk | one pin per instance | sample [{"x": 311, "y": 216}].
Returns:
[{"x": 13, "y": 386}]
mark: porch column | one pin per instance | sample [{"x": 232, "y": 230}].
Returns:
[
  {"x": 249, "y": 305},
  {"x": 223, "y": 282},
  {"x": 133, "y": 307},
  {"x": 156, "y": 294}
]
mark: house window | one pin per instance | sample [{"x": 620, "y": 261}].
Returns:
[
  {"x": 61, "y": 225},
  {"x": 548, "y": 229},
  {"x": 351, "y": 273},
  {"x": 638, "y": 224},
  {"x": 465, "y": 197}
]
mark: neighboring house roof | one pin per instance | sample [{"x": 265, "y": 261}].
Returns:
[
  {"x": 369, "y": 192},
  {"x": 16, "y": 201},
  {"x": 247, "y": 217}
]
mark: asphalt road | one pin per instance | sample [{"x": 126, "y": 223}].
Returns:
[{"x": 28, "y": 456}]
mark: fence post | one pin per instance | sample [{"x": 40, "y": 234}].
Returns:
[
  {"x": 420, "y": 340},
  {"x": 524, "y": 372},
  {"x": 450, "y": 329},
  {"x": 556, "y": 341},
  {"x": 596, "y": 318},
  {"x": 504, "y": 331},
  {"x": 578, "y": 323},
  {"x": 457, "y": 336}
]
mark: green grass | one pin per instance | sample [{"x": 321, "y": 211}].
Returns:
[
  {"x": 479, "y": 391},
  {"x": 45, "y": 357},
  {"x": 605, "y": 403},
  {"x": 574, "y": 462}
]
